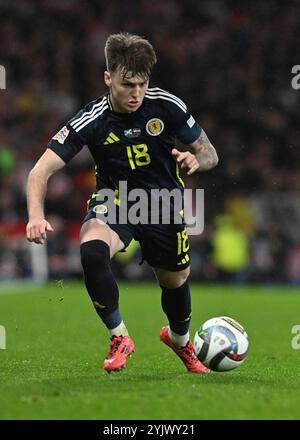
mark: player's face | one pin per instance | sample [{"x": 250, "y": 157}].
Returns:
[{"x": 127, "y": 93}]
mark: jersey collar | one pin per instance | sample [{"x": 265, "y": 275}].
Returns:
[{"x": 109, "y": 103}]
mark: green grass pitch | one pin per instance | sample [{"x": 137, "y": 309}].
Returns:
[{"x": 55, "y": 345}]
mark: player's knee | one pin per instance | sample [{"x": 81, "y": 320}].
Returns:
[
  {"x": 94, "y": 253},
  {"x": 173, "y": 280}
]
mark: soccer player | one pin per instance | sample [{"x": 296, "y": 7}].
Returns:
[{"x": 130, "y": 132}]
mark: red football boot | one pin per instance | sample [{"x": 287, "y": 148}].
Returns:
[
  {"x": 120, "y": 348},
  {"x": 186, "y": 354}
]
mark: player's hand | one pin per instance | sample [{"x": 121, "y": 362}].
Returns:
[
  {"x": 36, "y": 230},
  {"x": 187, "y": 160}
]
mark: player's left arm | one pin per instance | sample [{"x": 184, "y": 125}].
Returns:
[{"x": 201, "y": 157}]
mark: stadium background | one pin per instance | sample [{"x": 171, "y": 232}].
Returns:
[{"x": 230, "y": 61}]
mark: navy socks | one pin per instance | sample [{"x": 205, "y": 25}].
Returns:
[
  {"x": 176, "y": 304},
  {"x": 100, "y": 282}
]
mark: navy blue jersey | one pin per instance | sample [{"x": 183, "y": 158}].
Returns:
[{"x": 136, "y": 146}]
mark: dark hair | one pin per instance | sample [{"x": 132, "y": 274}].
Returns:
[{"x": 132, "y": 54}]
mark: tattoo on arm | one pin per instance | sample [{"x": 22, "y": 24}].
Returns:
[{"x": 204, "y": 152}]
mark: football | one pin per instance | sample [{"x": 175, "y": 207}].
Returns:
[{"x": 221, "y": 343}]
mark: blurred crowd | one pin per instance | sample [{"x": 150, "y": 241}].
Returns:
[{"x": 230, "y": 61}]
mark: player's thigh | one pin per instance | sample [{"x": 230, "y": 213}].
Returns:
[
  {"x": 95, "y": 229},
  {"x": 166, "y": 250},
  {"x": 171, "y": 279}
]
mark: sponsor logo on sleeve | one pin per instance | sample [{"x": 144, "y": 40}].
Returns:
[
  {"x": 191, "y": 121},
  {"x": 62, "y": 135}
]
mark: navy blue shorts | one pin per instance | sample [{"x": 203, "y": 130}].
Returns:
[{"x": 163, "y": 246}]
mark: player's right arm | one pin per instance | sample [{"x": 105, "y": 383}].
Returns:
[
  {"x": 37, "y": 226},
  {"x": 61, "y": 149}
]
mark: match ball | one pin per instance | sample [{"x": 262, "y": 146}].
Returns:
[{"x": 221, "y": 344}]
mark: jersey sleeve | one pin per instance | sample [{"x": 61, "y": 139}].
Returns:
[
  {"x": 68, "y": 141},
  {"x": 185, "y": 128}
]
